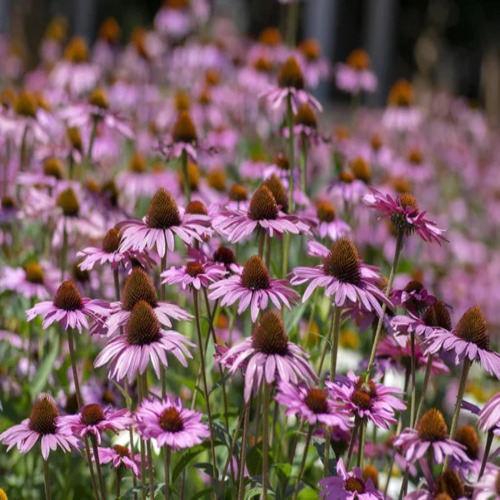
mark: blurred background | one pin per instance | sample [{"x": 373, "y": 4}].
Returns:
[{"x": 448, "y": 44}]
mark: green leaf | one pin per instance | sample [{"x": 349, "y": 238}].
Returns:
[
  {"x": 187, "y": 457},
  {"x": 253, "y": 493},
  {"x": 41, "y": 376},
  {"x": 292, "y": 319},
  {"x": 124, "y": 393}
]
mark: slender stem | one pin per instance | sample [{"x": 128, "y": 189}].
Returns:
[
  {"x": 166, "y": 456},
  {"x": 335, "y": 342},
  {"x": 303, "y": 163},
  {"x": 91, "y": 468},
  {"x": 399, "y": 246},
  {"x": 262, "y": 239},
  {"x": 204, "y": 378},
  {"x": 413, "y": 381},
  {"x": 427, "y": 375},
  {"x": 361, "y": 444},
  {"x": 404, "y": 484},
  {"x": 46, "y": 476},
  {"x": 185, "y": 175},
  {"x": 487, "y": 449},
  {"x": 291, "y": 151},
  {"x": 118, "y": 481},
  {"x": 131, "y": 438},
  {"x": 143, "y": 449},
  {"x": 92, "y": 139},
  {"x": 243, "y": 452},
  {"x": 311, "y": 315},
  {"x": 304, "y": 461},
  {"x": 64, "y": 251},
  {"x": 93, "y": 440},
  {"x": 326, "y": 457},
  {"x": 71, "y": 346},
  {"x": 163, "y": 296},
  {"x": 325, "y": 347},
  {"x": 268, "y": 251},
  {"x": 144, "y": 378},
  {"x": 265, "y": 440},
  {"x": 116, "y": 280},
  {"x": 352, "y": 442},
  {"x": 460, "y": 395}
]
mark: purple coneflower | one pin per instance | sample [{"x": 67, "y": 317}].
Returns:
[
  {"x": 31, "y": 281},
  {"x": 168, "y": 423},
  {"x": 110, "y": 253},
  {"x": 401, "y": 114},
  {"x": 93, "y": 419},
  {"x": 328, "y": 224},
  {"x": 311, "y": 404},
  {"x": 253, "y": 288},
  {"x": 69, "y": 308},
  {"x": 348, "y": 486},
  {"x": 345, "y": 278},
  {"x": 469, "y": 340},
  {"x": 431, "y": 433},
  {"x": 366, "y": 399},
  {"x": 194, "y": 274},
  {"x": 269, "y": 356},
  {"x": 488, "y": 487},
  {"x": 138, "y": 286},
  {"x": 265, "y": 212},
  {"x": 120, "y": 455},
  {"x": 356, "y": 76},
  {"x": 405, "y": 215},
  {"x": 489, "y": 416},
  {"x": 290, "y": 85},
  {"x": 143, "y": 342},
  {"x": 44, "y": 424},
  {"x": 163, "y": 221},
  {"x": 414, "y": 297}
]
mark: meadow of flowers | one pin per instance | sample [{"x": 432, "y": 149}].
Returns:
[{"x": 212, "y": 288}]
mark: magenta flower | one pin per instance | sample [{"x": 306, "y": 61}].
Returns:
[
  {"x": 45, "y": 425},
  {"x": 328, "y": 224},
  {"x": 163, "y": 221},
  {"x": 488, "y": 487},
  {"x": 290, "y": 83},
  {"x": 405, "y": 215},
  {"x": 348, "y": 486},
  {"x": 369, "y": 400},
  {"x": 311, "y": 404},
  {"x": 194, "y": 274},
  {"x": 109, "y": 253},
  {"x": 413, "y": 297},
  {"x": 69, "y": 308},
  {"x": 120, "y": 455},
  {"x": 168, "y": 423},
  {"x": 489, "y": 416},
  {"x": 470, "y": 340},
  {"x": 143, "y": 342},
  {"x": 33, "y": 281},
  {"x": 431, "y": 434},
  {"x": 345, "y": 278},
  {"x": 435, "y": 318},
  {"x": 139, "y": 286},
  {"x": 269, "y": 356},
  {"x": 264, "y": 212},
  {"x": 253, "y": 288},
  {"x": 93, "y": 419},
  {"x": 356, "y": 76}
]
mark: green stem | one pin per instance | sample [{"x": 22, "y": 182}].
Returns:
[
  {"x": 143, "y": 448},
  {"x": 243, "y": 452},
  {"x": 166, "y": 452},
  {"x": 131, "y": 437},
  {"x": 361, "y": 444},
  {"x": 118, "y": 481},
  {"x": 71, "y": 346},
  {"x": 352, "y": 442},
  {"x": 303, "y": 463},
  {"x": 262, "y": 239},
  {"x": 303, "y": 164},
  {"x": 204, "y": 378},
  {"x": 64, "y": 251},
  {"x": 291, "y": 152},
  {"x": 46, "y": 476},
  {"x": 425, "y": 384},
  {"x": 460, "y": 395},
  {"x": 93, "y": 440},
  {"x": 325, "y": 347},
  {"x": 185, "y": 174},
  {"x": 163, "y": 296},
  {"x": 399, "y": 246},
  {"x": 265, "y": 439},
  {"x": 487, "y": 449},
  {"x": 335, "y": 342},
  {"x": 413, "y": 381},
  {"x": 93, "y": 135}
]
